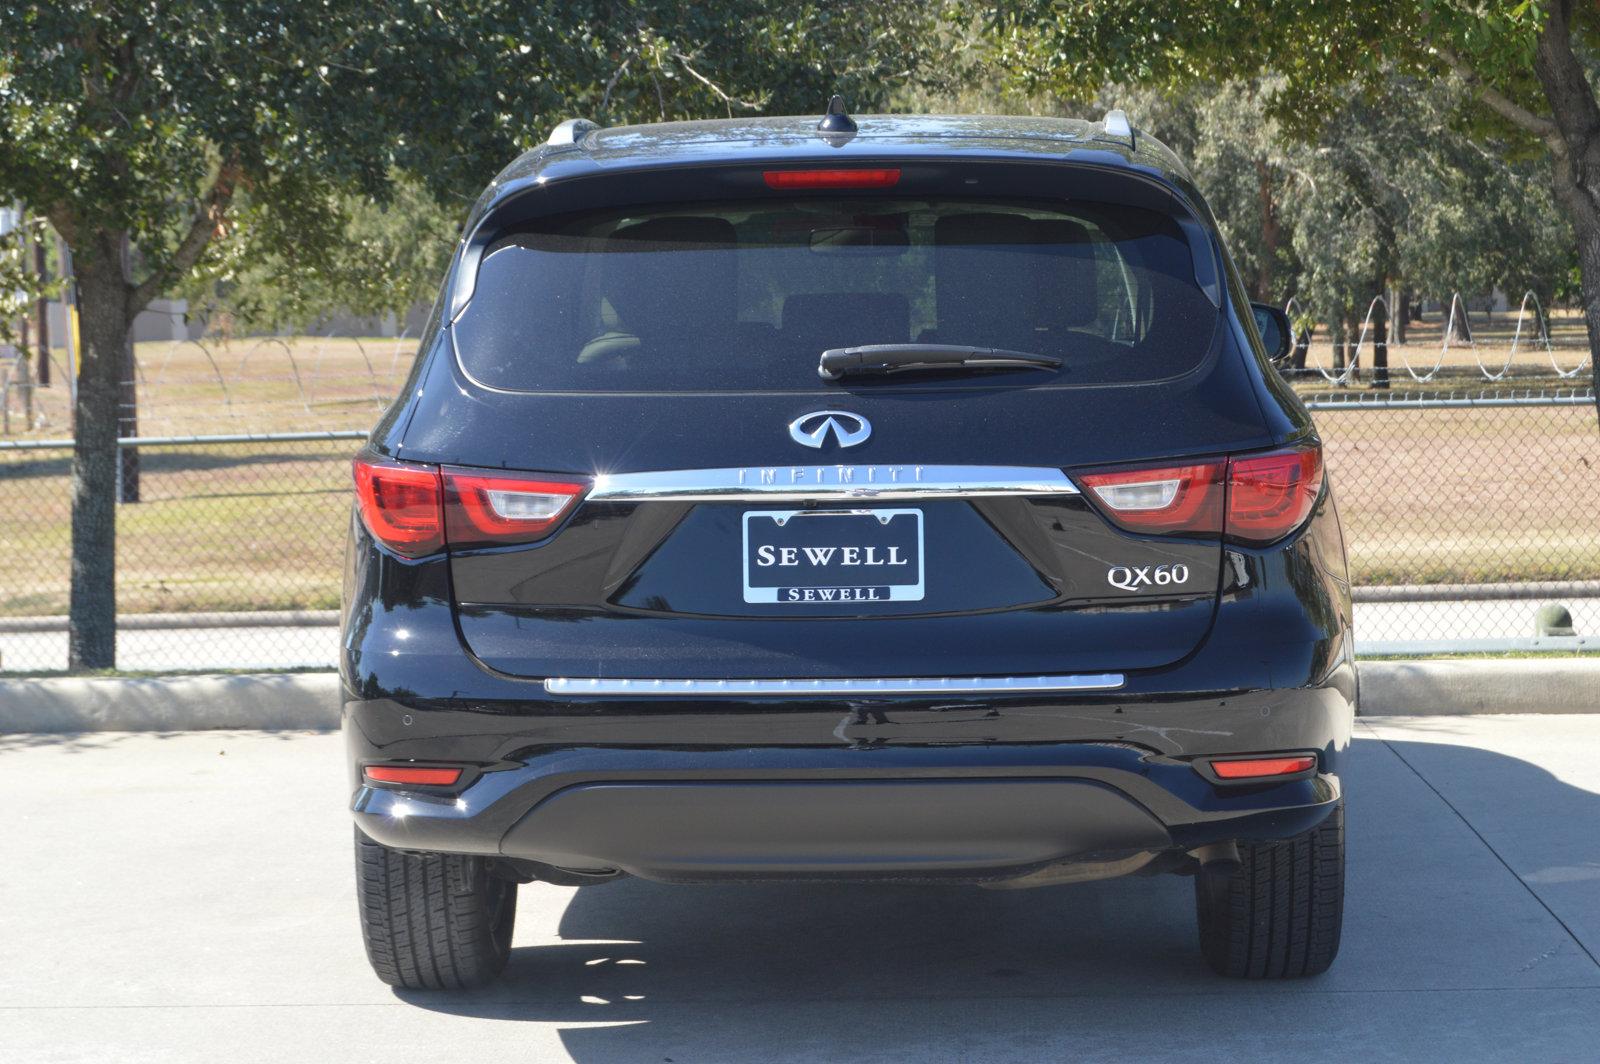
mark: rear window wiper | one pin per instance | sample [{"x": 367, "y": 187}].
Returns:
[{"x": 873, "y": 359}]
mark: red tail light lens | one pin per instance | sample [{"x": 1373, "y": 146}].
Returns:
[
  {"x": 400, "y": 505},
  {"x": 412, "y": 774},
  {"x": 1266, "y": 496},
  {"x": 1271, "y": 495},
  {"x": 1255, "y": 768},
  {"x": 486, "y": 509},
  {"x": 414, "y": 509},
  {"x": 1175, "y": 499},
  {"x": 812, "y": 179}
]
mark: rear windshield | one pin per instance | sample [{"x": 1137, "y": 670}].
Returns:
[{"x": 746, "y": 296}]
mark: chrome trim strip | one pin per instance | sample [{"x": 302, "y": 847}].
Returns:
[
  {"x": 799, "y": 483},
  {"x": 908, "y": 685}
]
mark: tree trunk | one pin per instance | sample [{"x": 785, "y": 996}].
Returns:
[
  {"x": 128, "y": 425},
  {"x": 1380, "y": 349},
  {"x": 1352, "y": 332},
  {"x": 1400, "y": 314},
  {"x": 103, "y": 306},
  {"x": 1575, "y": 157},
  {"x": 1302, "y": 347},
  {"x": 43, "y": 307},
  {"x": 1586, "y": 227},
  {"x": 1269, "y": 232}
]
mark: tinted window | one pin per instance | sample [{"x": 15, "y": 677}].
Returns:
[{"x": 747, "y": 295}]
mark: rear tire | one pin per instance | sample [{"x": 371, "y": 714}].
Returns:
[
  {"x": 433, "y": 921},
  {"x": 1278, "y": 915}
]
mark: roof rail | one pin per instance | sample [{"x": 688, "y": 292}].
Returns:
[
  {"x": 1116, "y": 125},
  {"x": 571, "y": 131}
]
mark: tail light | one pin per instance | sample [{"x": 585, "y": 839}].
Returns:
[
  {"x": 1178, "y": 499},
  {"x": 1255, "y": 500},
  {"x": 400, "y": 502},
  {"x": 485, "y": 510},
  {"x": 1271, "y": 495},
  {"x": 415, "y": 510}
]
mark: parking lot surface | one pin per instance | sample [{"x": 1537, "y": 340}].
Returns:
[{"x": 189, "y": 897}]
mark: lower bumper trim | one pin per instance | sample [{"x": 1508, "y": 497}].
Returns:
[{"x": 792, "y": 829}]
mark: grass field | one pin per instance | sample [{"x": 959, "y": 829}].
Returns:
[
  {"x": 1427, "y": 496},
  {"x": 263, "y": 384},
  {"x": 1467, "y": 496},
  {"x": 223, "y": 527}
]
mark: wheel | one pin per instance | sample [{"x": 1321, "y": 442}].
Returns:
[
  {"x": 1278, "y": 914},
  {"x": 433, "y": 921}
]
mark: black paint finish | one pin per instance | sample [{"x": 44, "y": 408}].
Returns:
[{"x": 443, "y": 658}]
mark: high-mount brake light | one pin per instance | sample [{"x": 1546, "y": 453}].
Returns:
[
  {"x": 1256, "y": 768},
  {"x": 1271, "y": 495},
  {"x": 795, "y": 180},
  {"x": 400, "y": 505},
  {"x": 1174, "y": 499},
  {"x": 416, "y": 775},
  {"x": 1254, "y": 500},
  {"x": 490, "y": 509}
]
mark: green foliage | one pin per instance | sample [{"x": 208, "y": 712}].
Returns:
[
  {"x": 1357, "y": 127},
  {"x": 1388, "y": 190},
  {"x": 1318, "y": 51},
  {"x": 151, "y": 116},
  {"x": 1389, "y": 193},
  {"x": 374, "y": 258},
  {"x": 19, "y": 285}
]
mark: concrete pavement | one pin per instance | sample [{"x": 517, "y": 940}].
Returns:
[{"x": 189, "y": 898}]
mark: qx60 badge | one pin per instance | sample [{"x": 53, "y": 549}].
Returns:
[
  {"x": 1133, "y": 577},
  {"x": 811, "y": 430}
]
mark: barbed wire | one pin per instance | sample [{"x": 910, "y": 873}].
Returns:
[{"x": 1454, "y": 326}]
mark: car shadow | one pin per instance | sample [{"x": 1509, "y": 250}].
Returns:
[{"x": 832, "y": 971}]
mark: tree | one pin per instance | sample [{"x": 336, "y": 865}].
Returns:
[
  {"x": 1389, "y": 195},
  {"x": 385, "y": 257},
  {"x": 1526, "y": 65},
  {"x": 141, "y": 128}
]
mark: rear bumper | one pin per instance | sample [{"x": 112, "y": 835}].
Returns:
[
  {"x": 753, "y": 783},
  {"x": 989, "y": 812}
]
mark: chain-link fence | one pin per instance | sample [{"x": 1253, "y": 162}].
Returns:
[
  {"x": 1465, "y": 515},
  {"x": 228, "y": 551}
]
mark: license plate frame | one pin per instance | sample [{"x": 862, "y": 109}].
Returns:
[{"x": 863, "y": 591}]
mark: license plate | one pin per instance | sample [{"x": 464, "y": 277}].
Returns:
[{"x": 832, "y": 556}]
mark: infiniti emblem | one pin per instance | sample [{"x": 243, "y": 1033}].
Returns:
[{"x": 811, "y": 430}]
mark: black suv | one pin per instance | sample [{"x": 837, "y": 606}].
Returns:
[{"x": 904, "y": 500}]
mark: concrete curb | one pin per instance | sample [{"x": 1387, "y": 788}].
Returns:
[
  {"x": 263, "y": 702},
  {"x": 270, "y": 702},
  {"x": 1488, "y": 685}
]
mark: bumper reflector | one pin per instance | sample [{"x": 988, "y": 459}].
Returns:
[
  {"x": 1262, "y": 767},
  {"x": 431, "y": 777}
]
